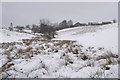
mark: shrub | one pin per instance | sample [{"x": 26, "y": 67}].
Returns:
[{"x": 48, "y": 30}]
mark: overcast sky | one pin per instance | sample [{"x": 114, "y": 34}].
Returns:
[
  {"x": 0, "y": 14},
  {"x": 23, "y": 13}
]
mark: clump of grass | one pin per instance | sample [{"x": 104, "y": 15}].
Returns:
[{"x": 108, "y": 54}]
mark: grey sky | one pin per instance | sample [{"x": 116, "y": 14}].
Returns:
[
  {"x": 0, "y": 14},
  {"x": 23, "y": 13}
]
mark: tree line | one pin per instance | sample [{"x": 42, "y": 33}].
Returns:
[{"x": 49, "y": 29}]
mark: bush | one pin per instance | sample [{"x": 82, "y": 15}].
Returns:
[{"x": 47, "y": 30}]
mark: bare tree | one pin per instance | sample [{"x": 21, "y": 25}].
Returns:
[
  {"x": 63, "y": 25},
  {"x": 45, "y": 21},
  {"x": 47, "y": 28},
  {"x": 70, "y": 23}
]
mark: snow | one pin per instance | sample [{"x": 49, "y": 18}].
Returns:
[
  {"x": 28, "y": 31},
  {"x": 32, "y": 64},
  {"x": 95, "y": 49},
  {"x": 11, "y": 36},
  {"x": 96, "y": 36},
  {"x": 3, "y": 60}
]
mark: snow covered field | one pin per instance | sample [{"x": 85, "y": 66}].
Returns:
[
  {"x": 11, "y": 36},
  {"x": 97, "y": 36},
  {"x": 94, "y": 55}
]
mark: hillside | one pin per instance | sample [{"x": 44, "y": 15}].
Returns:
[
  {"x": 11, "y": 36},
  {"x": 81, "y": 52},
  {"x": 96, "y": 36}
]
